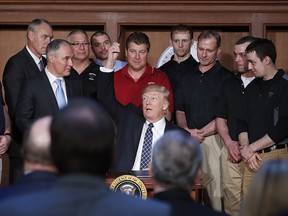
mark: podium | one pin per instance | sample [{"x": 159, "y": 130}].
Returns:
[{"x": 198, "y": 191}]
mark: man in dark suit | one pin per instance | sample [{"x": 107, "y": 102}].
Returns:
[
  {"x": 20, "y": 67},
  {"x": 176, "y": 162},
  {"x": 39, "y": 169},
  {"x": 132, "y": 124},
  {"x": 82, "y": 141},
  {"x": 38, "y": 96}
]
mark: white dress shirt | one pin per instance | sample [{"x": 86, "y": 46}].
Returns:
[
  {"x": 35, "y": 58},
  {"x": 52, "y": 79},
  {"x": 158, "y": 132}
]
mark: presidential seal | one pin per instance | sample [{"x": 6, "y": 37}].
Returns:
[{"x": 130, "y": 185}]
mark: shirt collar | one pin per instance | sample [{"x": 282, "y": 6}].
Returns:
[
  {"x": 35, "y": 58},
  {"x": 157, "y": 125}
]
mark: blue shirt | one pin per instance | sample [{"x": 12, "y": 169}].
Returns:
[{"x": 117, "y": 65}]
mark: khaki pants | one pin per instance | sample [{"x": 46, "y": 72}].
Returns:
[
  {"x": 248, "y": 174},
  {"x": 232, "y": 175},
  {"x": 211, "y": 148}
]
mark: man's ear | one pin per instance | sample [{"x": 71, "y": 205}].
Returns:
[
  {"x": 51, "y": 58},
  {"x": 218, "y": 52},
  {"x": 31, "y": 35},
  {"x": 165, "y": 106},
  {"x": 267, "y": 60}
]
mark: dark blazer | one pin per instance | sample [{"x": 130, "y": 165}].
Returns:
[
  {"x": 37, "y": 99},
  {"x": 129, "y": 120},
  {"x": 182, "y": 204},
  {"x": 76, "y": 195},
  {"x": 29, "y": 183},
  {"x": 19, "y": 68}
]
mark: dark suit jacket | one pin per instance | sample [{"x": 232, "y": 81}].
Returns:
[
  {"x": 19, "y": 68},
  {"x": 76, "y": 195},
  {"x": 37, "y": 99},
  {"x": 29, "y": 183},
  {"x": 129, "y": 120},
  {"x": 182, "y": 204}
]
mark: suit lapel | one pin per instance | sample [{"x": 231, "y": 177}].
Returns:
[
  {"x": 48, "y": 90},
  {"x": 31, "y": 61},
  {"x": 137, "y": 135}
]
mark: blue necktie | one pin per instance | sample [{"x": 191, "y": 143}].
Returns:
[
  {"x": 147, "y": 148},
  {"x": 59, "y": 93}
]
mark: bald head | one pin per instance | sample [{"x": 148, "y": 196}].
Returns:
[{"x": 36, "y": 146}]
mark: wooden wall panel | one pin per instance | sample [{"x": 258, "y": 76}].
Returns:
[{"x": 280, "y": 38}]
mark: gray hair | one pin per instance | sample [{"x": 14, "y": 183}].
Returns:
[
  {"x": 176, "y": 159},
  {"x": 36, "y": 22},
  {"x": 77, "y": 31},
  {"x": 54, "y": 46},
  {"x": 157, "y": 88}
]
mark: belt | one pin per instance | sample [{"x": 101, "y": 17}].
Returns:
[{"x": 274, "y": 147}]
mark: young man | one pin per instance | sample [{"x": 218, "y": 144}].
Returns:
[
  {"x": 100, "y": 43},
  {"x": 182, "y": 61},
  {"x": 263, "y": 126},
  {"x": 228, "y": 109}
]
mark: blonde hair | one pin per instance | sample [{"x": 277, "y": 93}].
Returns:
[
  {"x": 267, "y": 194},
  {"x": 158, "y": 88}
]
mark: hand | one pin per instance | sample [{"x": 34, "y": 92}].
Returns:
[
  {"x": 197, "y": 134},
  {"x": 4, "y": 143},
  {"x": 234, "y": 154},
  {"x": 113, "y": 53},
  {"x": 246, "y": 152},
  {"x": 253, "y": 162}
]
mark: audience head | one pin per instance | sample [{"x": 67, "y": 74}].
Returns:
[
  {"x": 181, "y": 40},
  {"x": 155, "y": 102},
  {"x": 79, "y": 42},
  {"x": 59, "y": 57},
  {"x": 267, "y": 194},
  {"x": 83, "y": 136},
  {"x": 137, "y": 49},
  {"x": 240, "y": 54},
  {"x": 100, "y": 43},
  {"x": 176, "y": 160},
  {"x": 36, "y": 145},
  {"x": 208, "y": 48},
  {"x": 39, "y": 35}
]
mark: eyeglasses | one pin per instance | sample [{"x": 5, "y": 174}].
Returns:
[{"x": 80, "y": 44}]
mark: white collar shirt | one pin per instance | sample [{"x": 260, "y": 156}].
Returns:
[{"x": 158, "y": 132}]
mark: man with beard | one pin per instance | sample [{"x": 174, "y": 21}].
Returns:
[{"x": 100, "y": 43}]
